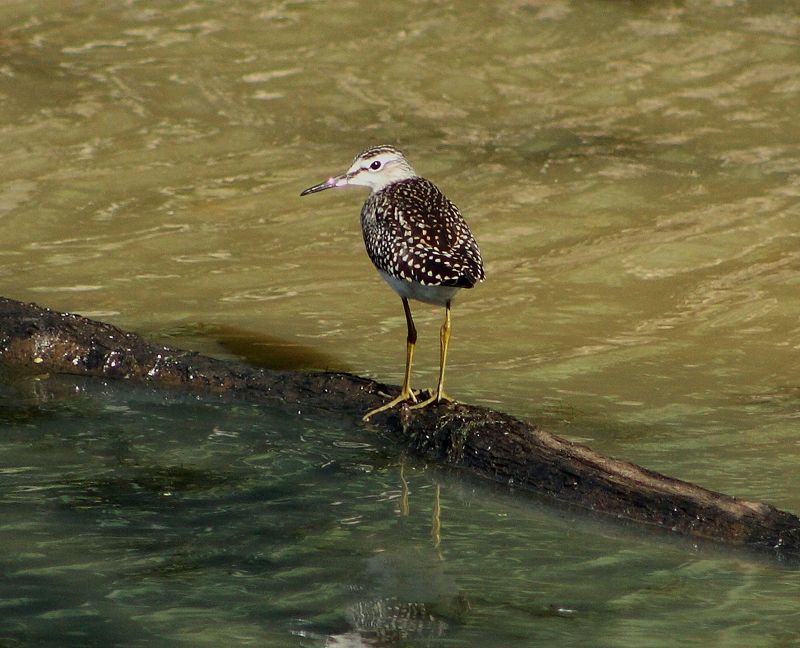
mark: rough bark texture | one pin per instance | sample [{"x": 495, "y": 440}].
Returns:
[{"x": 479, "y": 440}]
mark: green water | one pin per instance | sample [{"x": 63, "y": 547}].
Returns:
[
  {"x": 130, "y": 518},
  {"x": 630, "y": 170}
]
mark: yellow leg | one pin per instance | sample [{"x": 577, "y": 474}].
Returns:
[
  {"x": 444, "y": 341},
  {"x": 405, "y": 391},
  {"x": 436, "y": 519},
  {"x": 404, "y": 508}
]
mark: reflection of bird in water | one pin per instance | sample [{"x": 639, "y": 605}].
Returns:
[
  {"x": 414, "y": 599},
  {"x": 436, "y": 521},
  {"x": 414, "y": 596},
  {"x": 386, "y": 621}
]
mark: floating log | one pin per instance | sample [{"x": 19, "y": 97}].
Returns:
[{"x": 478, "y": 440}]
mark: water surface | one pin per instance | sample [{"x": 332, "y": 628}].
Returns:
[
  {"x": 630, "y": 172},
  {"x": 131, "y": 518}
]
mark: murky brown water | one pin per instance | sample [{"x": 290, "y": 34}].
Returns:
[{"x": 630, "y": 170}]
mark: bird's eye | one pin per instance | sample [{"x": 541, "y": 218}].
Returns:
[{"x": 375, "y": 165}]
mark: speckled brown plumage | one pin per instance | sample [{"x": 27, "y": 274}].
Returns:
[{"x": 414, "y": 233}]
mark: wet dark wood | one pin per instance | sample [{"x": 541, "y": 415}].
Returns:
[{"x": 481, "y": 441}]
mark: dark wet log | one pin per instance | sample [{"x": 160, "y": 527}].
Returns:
[{"x": 479, "y": 440}]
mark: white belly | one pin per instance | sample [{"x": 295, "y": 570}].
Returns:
[{"x": 439, "y": 295}]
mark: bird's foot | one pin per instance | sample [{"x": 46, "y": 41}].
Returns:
[
  {"x": 404, "y": 396},
  {"x": 435, "y": 397},
  {"x": 410, "y": 396}
]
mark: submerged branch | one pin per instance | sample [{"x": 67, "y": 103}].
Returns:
[{"x": 476, "y": 439}]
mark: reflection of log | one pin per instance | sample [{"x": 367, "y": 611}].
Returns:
[{"x": 482, "y": 441}]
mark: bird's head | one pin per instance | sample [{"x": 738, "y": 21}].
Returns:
[{"x": 374, "y": 168}]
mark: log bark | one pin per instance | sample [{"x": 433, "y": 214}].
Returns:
[{"x": 478, "y": 440}]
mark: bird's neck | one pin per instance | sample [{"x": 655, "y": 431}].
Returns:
[{"x": 393, "y": 179}]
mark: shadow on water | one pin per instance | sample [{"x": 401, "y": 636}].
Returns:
[{"x": 256, "y": 349}]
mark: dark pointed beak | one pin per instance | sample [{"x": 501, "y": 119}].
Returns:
[
  {"x": 322, "y": 186},
  {"x": 330, "y": 183}
]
